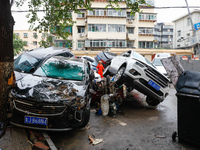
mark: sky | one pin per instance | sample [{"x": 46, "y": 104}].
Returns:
[{"x": 163, "y": 15}]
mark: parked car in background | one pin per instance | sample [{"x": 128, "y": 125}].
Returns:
[
  {"x": 103, "y": 56},
  {"x": 55, "y": 97},
  {"x": 137, "y": 72},
  {"x": 29, "y": 61},
  {"x": 158, "y": 64}
]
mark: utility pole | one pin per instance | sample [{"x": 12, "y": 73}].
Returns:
[{"x": 193, "y": 29}]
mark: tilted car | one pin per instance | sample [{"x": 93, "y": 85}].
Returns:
[
  {"x": 29, "y": 61},
  {"x": 105, "y": 57},
  {"x": 55, "y": 97},
  {"x": 136, "y": 72}
]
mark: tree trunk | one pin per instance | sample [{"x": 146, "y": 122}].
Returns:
[{"x": 6, "y": 54}]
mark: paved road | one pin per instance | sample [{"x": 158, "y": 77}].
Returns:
[{"x": 136, "y": 126}]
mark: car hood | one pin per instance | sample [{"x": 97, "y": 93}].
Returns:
[{"x": 48, "y": 89}]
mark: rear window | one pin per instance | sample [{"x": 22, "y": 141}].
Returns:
[{"x": 24, "y": 63}]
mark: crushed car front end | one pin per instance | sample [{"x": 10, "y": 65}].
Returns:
[{"x": 146, "y": 79}]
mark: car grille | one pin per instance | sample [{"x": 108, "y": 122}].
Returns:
[
  {"x": 156, "y": 76},
  {"x": 150, "y": 87},
  {"x": 39, "y": 108}
]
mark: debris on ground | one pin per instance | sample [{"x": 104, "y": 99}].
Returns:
[
  {"x": 160, "y": 136},
  {"x": 94, "y": 141}
]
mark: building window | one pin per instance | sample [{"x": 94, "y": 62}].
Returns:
[
  {"x": 81, "y": 29},
  {"x": 147, "y": 17},
  {"x": 145, "y": 44},
  {"x": 17, "y": 34},
  {"x": 179, "y": 32},
  {"x": 26, "y": 43},
  {"x": 115, "y": 13},
  {"x": 97, "y": 27},
  {"x": 188, "y": 21},
  {"x": 63, "y": 43},
  {"x": 34, "y": 42},
  {"x": 130, "y": 30},
  {"x": 81, "y": 43},
  {"x": 25, "y": 35},
  {"x": 81, "y": 15},
  {"x": 35, "y": 35},
  {"x": 145, "y": 31},
  {"x": 105, "y": 43},
  {"x": 116, "y": 28},
  {"x": 130, "y": 44},
  {"x": 130, "y": 16}
]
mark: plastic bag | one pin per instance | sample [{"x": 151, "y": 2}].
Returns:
[{"x": 105, "y": 104}]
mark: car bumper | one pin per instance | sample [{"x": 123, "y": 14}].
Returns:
[
  {"x": 142, "y": 85},
  {"x": 68, "y": 120}
]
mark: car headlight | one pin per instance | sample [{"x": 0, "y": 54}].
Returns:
[{"x": 134, "y": 72}]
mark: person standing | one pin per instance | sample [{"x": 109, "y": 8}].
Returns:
[{"x": 100, "y": 69}]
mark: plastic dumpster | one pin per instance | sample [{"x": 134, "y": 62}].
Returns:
[{"x": 188, "y": 95}]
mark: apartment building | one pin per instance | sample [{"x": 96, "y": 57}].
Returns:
[
  {"x": 102, "y": 28},
  {"x": 184, "y": 32},
  {"x": 163, "y": 35},
  {"x": 32, "y": 38}
]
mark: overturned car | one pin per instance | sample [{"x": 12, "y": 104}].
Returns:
[
  {"x": 55, "y": 97},
  {"x": 136, "y": 72}
]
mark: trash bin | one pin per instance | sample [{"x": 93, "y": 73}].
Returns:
[{"x": 188, "y": 107}]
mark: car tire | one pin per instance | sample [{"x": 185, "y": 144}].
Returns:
[
  {"x": 106, "y": 71},
  {"x": 86, "y": 116},
  {"x": 118, "y": 79},
  {"x": 152, "y": 102}
]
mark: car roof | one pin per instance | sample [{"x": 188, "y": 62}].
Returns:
[{"x": 44, "y": 52}]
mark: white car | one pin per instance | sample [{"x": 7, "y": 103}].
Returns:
[
  {"x": 158, "y": 64},
  {"x": 135, "y": 71}
]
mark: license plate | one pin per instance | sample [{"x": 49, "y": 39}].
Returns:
[
  {"x": 154, "y": 85},
  {"x": 35, "y": 120}
]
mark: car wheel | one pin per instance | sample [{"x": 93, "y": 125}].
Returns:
[
  {"x": 86, "y": 116},
  {"x": 118, "y": 79},
  {"x": 151, "y": 101},
  {"x": 106, "y": 71}
]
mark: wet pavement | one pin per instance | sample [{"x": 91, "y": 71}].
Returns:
[{"x": 136, "y": 126}]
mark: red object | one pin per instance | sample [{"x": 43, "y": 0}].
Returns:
[{"x": 100, "y": 69}]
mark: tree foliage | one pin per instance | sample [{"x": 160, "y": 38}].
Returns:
[
  {"x": 18, "y": 44},
  {"x": 57, "y": 13}
]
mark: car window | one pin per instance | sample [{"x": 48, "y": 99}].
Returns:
[
  {"x": 65, "y": 55},
  {"x": 25, "y": 63},
  {"x": 157, "y": 62},
  {"x": 140, "y": 57},
  {"x": 59, "y": 68}
]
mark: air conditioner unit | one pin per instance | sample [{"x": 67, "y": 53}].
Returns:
[{"x": 81, "y": 35}]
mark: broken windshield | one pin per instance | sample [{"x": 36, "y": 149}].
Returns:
[
  {"x": 25, "y": 63},
  {"x": 61, "y": 68}
]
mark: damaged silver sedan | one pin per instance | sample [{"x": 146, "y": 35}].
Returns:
[{"x": 56, "y": 97}]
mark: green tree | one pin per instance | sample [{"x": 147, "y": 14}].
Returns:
[
  {"x": 18, "y": 44},
  {"x": 57, "y": 14}
]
